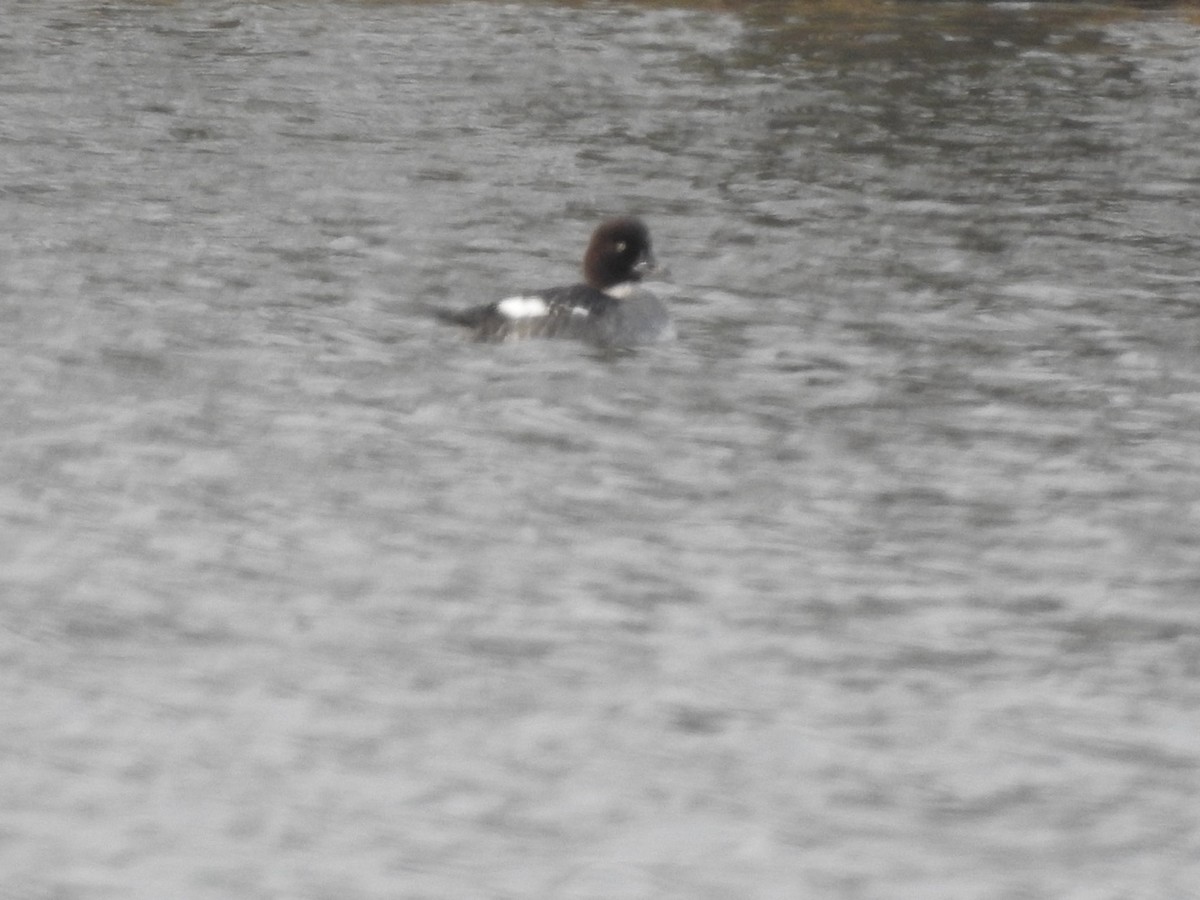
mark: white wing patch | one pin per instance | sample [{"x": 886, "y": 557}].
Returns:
[
  {"x": 580, "y": 311},
  {"x": 522, "y": 307},
  {"x": 621, "y": 291}
]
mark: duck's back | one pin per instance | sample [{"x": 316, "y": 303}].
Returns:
[
  {"x": 567, "y": 312},
  {"x": 579, "y": 311}
]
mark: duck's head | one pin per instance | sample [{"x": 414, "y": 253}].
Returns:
[{"x": 618, "y": 252}]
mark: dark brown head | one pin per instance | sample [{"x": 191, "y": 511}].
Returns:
[{"x": 618, "y": 252}]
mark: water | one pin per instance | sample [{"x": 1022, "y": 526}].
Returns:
[{"x": 880, "y": 582}]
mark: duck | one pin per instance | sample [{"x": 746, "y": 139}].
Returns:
[{"x": 609, "y": 308}]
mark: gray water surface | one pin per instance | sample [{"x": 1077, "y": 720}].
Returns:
[{"x": 881, "y": 581}]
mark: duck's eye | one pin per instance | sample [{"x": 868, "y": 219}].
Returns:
[{"x": 620, "y": 246}]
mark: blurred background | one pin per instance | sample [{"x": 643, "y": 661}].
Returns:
[{"x": 880, "y": 582}]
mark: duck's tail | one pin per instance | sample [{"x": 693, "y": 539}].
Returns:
[{"x": 467, "y": 318}]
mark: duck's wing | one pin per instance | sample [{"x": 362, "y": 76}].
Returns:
[{"x": 574, "y": 311}]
